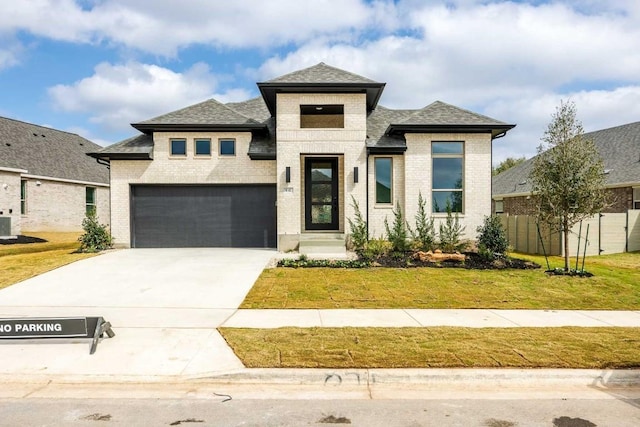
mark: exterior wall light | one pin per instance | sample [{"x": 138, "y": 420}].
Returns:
[{"x": 287, "y": 174}]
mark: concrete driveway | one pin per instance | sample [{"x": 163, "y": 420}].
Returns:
[{"x": 164, "y": 305}]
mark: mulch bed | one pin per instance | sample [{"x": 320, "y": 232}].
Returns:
[
  {"x": 472, "y": 261},
  {"x": 21, "y": 240}
]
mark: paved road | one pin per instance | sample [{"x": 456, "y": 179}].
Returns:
[{"x": 215, "y": 411}]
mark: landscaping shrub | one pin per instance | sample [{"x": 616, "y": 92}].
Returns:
[
  {"x": 376, "y": 248},
  {"x": 424, "y": 235},
  {"x": 492, "y": 238},
  {"x": 451, "y": 232},
  {"x": 359, "y": 231},
  {"x": 96, "y": 236},
  {"x": 397, "y": 234},
  {"x": 304, "y": 262}
]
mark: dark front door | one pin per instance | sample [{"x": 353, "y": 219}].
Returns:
[{"x": 321, "y": 193}]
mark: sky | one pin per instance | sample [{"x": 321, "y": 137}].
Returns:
[{"x": 92, "y": 67}]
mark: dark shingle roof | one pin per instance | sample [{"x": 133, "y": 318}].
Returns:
[
  {"x": 441, "y": 113},
  {"x": 620, "y": 150},
  {"x": 263, "y": 145},
  {"x": 322, "y": 73},
  {"x": 48, "y": 152},
  {"x": 137, "y": 147},
  {"x": 208, "y": 113}
]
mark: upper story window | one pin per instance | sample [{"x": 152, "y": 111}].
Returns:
[
  {"x": 178, "y": 147},
  {"x": 23, "y": 197},
  {"x": 90, "y": 200},
  {"x": 322, "y": 116},
  {"x": 383, "y": 171},
  {"x": 227, "y": 147},
  {"x": 499, "y": 206},
  {"x": 202, "y": 147},
  {"x": 636, "y": 198},
  {"x": 447, "y": 176}
]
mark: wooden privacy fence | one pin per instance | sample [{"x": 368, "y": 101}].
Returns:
[{"x": 609, "y": 233}]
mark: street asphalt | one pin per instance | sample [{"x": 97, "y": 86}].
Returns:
[{"x": 165, "y": 305}]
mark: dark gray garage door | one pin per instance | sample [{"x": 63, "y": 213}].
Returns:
[{"x": 179, "y": 216}]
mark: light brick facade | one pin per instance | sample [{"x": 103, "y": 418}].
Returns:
[
  {"x": 189, "y": 169},
  {"x": 10, "y": 198}
]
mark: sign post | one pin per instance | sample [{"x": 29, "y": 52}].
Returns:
[{"x": 56, "y": 327}]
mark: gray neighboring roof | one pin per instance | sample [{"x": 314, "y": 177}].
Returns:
[
  {"x": 210, "y": 113},
  {"x": 139, "y": 147},
  {"x": 620, "y": 150},
  {"x": 47, "y": 152},
  {"x": 321, "y": 73}
]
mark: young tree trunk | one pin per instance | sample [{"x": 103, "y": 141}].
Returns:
[{"x": 565, "y": 231}]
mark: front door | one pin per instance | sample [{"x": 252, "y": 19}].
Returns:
[{"x": 321, "y": 193}]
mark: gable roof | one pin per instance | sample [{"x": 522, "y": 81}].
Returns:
[
  {"x": 204, "y": 115},
  {"x": 46, "y": 152},
  {"x": 321, "y": 78},
  {"x": 618, "y": 146}
]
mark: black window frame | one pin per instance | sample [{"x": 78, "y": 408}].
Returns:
[
  {"x": 220, "y": 143},
  {"x": 195, "y": 147},
  {"x": 171, "y": 147},
  {"x": 375, "y": 169},
  {"x": 447, "y": 154}
]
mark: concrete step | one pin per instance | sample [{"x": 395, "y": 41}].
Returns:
[{"x": 322, "y": 244}]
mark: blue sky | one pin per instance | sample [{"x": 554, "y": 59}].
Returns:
[{"x": 94, "y": 66}]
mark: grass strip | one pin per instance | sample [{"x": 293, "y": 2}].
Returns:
[
  {"x": 437, "y": 347},
  {"x": 615, "y": 286},
  {"x": 23, "y": 261}
]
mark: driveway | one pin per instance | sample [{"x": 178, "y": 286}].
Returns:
[{"x": 164, "y": 305}]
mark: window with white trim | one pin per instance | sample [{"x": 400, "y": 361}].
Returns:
[
  {"x": 90, "y": 200},
  {"x": 499, "y": 206},
  {"x": 447, "y": 176},
  {"x": 636, "y": 198},
  {"x": 23, "y": 197}
]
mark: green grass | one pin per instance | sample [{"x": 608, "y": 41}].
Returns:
[
  {"x": 615, "y": 285},
  {"x": 438, "y": 347},
  {"x": 23, "y": 261}
]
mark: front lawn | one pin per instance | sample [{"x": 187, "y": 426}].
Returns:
[
  {"x": 438, "y": 347},
  {"x": 22, "y": 261},
  {"x": 615, "y": 286}
]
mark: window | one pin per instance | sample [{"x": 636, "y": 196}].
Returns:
[
  {"x": 90, "y": 200},
  {"x": 202, "y": 147},
  {"x": 447, "y": 176},
  {"x": 383, "y": 171},
  {"x": 322, "y": 116},
  {"x": 636, "y": 198},
  {"x": 227, "y": 147},
  {"x": 23, "y": 197},
  {"x": 178, "y": 147},
  {"x": 499, "y": 204}
]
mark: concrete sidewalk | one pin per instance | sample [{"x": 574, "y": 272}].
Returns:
[{"x": 400, "y": 318}]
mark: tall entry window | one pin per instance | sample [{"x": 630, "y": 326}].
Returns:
[
  {"x": 383, "y": 170},
  {"x": 447, "y": 176}
]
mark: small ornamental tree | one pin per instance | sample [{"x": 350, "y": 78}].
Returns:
[
  {"x": 424, "y": 235},
  {"x": 567, "y": 175},
  {"x": 451, "y": 232},
  {"x": 397, "y": 233},
  {"x": 359, "y": 229}
]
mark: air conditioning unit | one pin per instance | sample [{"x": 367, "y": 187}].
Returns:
[{"x": 5, "y": 226}]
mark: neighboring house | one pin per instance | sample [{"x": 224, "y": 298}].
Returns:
[
  {"x": 619, "y": 148},
  {"x": 281, "y": 170},
  {"x": 47, "y": 181}
]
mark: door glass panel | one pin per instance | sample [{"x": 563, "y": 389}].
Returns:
[
  {"x": 321, "y": 172},
  {"x": 321, "y": 214},
  {"x": 320, "y": 193}
]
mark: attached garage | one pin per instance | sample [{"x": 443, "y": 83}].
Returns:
[{"x": 177, "y": 216}]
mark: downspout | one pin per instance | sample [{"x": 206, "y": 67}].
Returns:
[
  {"x": 103, "y": 162},
  {"x": 367, "y": 190}
]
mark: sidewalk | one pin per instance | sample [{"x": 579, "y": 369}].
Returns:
[{"x": 400, "y": 318}]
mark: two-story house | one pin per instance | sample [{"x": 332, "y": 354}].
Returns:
[{"x": 283, "y": 169}]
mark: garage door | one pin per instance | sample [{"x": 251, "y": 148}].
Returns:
[{"x": 180, "y": 216}]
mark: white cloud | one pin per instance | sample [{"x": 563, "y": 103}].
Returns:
[
  {"x": 116, "y": 95},
  {"x": 164, "y": 26}
]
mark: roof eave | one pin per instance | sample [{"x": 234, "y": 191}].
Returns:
[
  {"x": 495, "y": 130},
  {"x": 148, "y": 128},
  {"x": 121, "y": 156},
  {"x": 386, "y": 150},
  {"x": 262, "y": 156}
]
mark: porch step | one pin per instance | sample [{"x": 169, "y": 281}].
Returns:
[{"x": 322, "y": 244}]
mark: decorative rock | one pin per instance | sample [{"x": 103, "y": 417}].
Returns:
[{"x": 438, "y": 256}]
